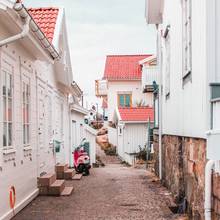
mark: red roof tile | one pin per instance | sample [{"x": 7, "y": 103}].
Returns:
[
  {"x": 137, "y": 114},
  {"x": 123, "y": 67},
  {"x": 46, "y": 19}
]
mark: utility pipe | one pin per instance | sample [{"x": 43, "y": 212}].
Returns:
[
  {"x": 24, "y": 33},
  {"x": 208, "y": 189},
  {"x": 30, "y": 24},
  {"x": 160, "y": 100}
]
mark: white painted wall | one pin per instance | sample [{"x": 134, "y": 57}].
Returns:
[
  {"x": 133, "y": 135},
  {"x": 185, "y": 111},
  {"x": 90, "y": 135},
  {"x": 149, "y": 74},
  {"x": 77, "y": 130},
  {"x": 112, "y": 135},
  {"x": 134, "y": 87}
]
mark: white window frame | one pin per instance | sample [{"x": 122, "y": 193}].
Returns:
[
  {"x": 27, "y": 124},
  {"x": 10, "y": 71},
  {"x": 187, "y": 37}
]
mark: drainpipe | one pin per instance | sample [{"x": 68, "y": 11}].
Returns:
[
  {"x": 208, "y": 189},
  {"x": 30, "y": 24},
  {"x": 24, "y": 33},
  {"x": 160, "y": 101}
]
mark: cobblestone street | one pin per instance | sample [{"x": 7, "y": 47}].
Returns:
[{"x": 112, "y": 192}]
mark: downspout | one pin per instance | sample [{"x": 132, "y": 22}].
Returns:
[
  {"x": 24, "y": 33},
  {"x": 30, "y": 24},
  {"x": 160, "y": 102},
  {"x": 208, "y": 189}
]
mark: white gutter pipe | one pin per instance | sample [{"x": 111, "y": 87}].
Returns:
[
  {"x": 208, "y": 189},
  {"x": 160, "y": 102},
  {"x": 30, "y": 24},
  {"x": 24, "y": 33}
]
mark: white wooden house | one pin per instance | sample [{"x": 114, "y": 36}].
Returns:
[
  {"x": 123, "y": 91},
  {"x": 132, "y": 131},
  {"x": 36, "y": 83},
  {"x": 189, "y": 92},
  {"x": 121, "y": 83}
]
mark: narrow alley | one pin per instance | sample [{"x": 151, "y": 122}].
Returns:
[{"x": 112, "y": 192}]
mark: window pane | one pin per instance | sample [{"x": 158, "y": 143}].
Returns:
[
  {"x": 10, "y": 109},
  {"x": 23, "y": 92},
  {"x": 4, "y": 134},
  {"x": 24, "y": 135},
  {"x": 27, "y": 113},
  {"x": 4, "y": 109},
  {"x": 9, "y": 134},
  {"x": 9, "y": 85},
  {"x": 121, "y": 100},
  {"x": 27, "y": 93},
  {"x": 127, "y": 101},
  {"x": 3, "y": 84},
  {"x": 24, "y": 116},
  {"x": 28, "y": 134}
]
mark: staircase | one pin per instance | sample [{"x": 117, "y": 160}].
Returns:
[
  {"x": 63, "y": 172},
  {"x": 54, "y": 184}
]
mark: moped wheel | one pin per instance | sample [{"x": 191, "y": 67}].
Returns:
[
  {"x": 80, "y": 168},
  {"x": 87, "y": 172}
]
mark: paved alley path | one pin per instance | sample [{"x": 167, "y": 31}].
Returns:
[{"x": 114, "y": 192}]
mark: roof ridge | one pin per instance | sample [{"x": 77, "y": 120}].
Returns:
[
  {"x": 44, "y": 8},
  {"x": 142, "y": 107},
  {"x": 123, "y": 55}
]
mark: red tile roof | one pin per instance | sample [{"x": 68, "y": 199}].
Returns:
[
  {"x": 123, "y": 67},
  {"x": 46, "y": 19},
  {"x": 137, "y": 114}
]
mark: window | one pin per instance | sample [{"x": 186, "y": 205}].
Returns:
[
  {"x": 7, "y": 108},
  {"x": 167, "y": 60},
  {"x": 26, "y": 111},
  {"x": 124, "y": 100},
  {"x": 187, "y": 45}
]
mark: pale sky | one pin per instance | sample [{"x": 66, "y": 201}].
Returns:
[{"x": 97, "y": 28}]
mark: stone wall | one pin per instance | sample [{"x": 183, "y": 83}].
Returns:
[
  {"x": 216, "y": 197},
  {"x": 183, "y": 169}
]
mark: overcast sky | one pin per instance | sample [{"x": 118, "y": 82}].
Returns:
[{"x": 97, "y": 28}]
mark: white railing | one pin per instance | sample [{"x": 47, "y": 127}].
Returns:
[
  {"x": 101, "y": 87},
  {"x": 149, "y": 74}
]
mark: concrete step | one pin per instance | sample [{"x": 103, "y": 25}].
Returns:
[
  {"x": 57, "y": 188},
  {"x": 61, "y": 167},
  {"x": 68, "y": 174},
  {"x": 46, "y": 180},
  {"x": 77, "y": 176},
  {"x": 67, "y": 191}
]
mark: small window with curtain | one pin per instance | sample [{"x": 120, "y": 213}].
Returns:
[
  {"x": 26, "y": 110},
  {"x": 7, "y": 108},
  {"x": 124, "y": 100}
]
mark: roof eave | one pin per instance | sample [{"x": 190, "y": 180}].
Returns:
[{"x": 154, "y": 11}]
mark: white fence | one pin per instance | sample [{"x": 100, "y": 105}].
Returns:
[{"x": 112, "y": 136}]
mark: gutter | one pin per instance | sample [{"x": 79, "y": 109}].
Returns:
[{"x": 30, "y": 24}]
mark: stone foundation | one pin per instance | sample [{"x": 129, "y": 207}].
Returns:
[
  {"x": 183, "y": 169},
  {"x": 216, "y": 197}
]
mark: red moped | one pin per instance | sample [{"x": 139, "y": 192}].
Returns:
[{"x": 81, "y": 159}]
